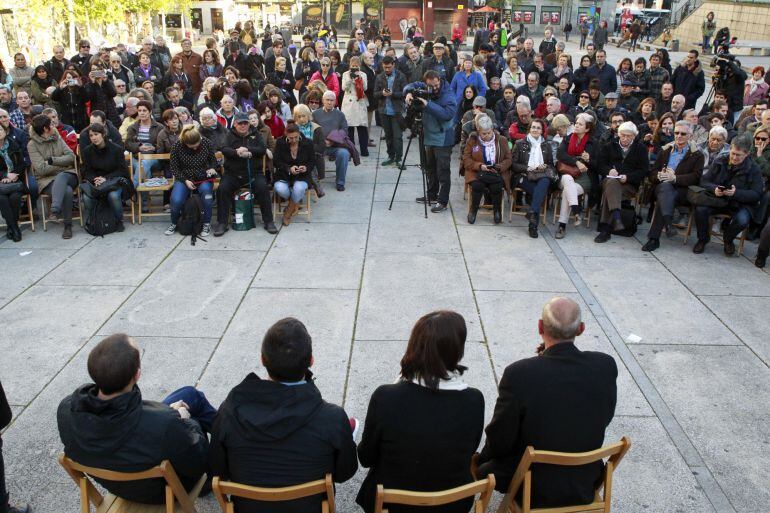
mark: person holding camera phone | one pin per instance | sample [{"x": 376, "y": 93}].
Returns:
[
  {"x": 294, "y": 162},
  {"x": 355, "y": 103},
  {"x": 438, "y": 135},
  {"x": 72, "y": 98},
  {"x": 101, "y": 93}
]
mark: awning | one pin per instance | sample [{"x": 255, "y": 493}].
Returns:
[{"x": 484, "y": 9}]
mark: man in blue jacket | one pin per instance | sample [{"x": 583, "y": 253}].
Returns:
[
  {"x": 438, "y": 136},
  {"x": 605, "y": 73}
]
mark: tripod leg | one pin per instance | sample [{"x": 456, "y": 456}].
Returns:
[
  {"x": 423, "y": 161},
  {"x": 398, "y": 180}
]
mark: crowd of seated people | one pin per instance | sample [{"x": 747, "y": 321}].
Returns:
[
  {"x": 420, "y": 433},
  {"x": 589, "y": 134}
]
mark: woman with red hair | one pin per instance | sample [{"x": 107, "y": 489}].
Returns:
[{"x": 756, "y": 87}]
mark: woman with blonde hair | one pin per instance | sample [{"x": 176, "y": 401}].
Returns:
[
  {"x": 314, "y": 133},
  {"x": 355, "y": 103},
  {"x": 193, "y": 165},
  {"x": 327, "y": 76}
]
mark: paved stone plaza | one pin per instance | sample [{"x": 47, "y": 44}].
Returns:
[{"x": 693, "y": 393}]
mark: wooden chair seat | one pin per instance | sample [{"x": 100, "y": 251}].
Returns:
[
  {"x": 113, "y": 504},
  {"x": 27, "y": 201},
  {"x": 520, "y": 209},
  {"x": 556, "y": 199},
  {"x": 716, "y": 233},
  {"x": 224, "y": 491},
  {"x": 76, "y": 199},
  {"x": 305, "y": 209},
  {"x": 483, "y": 487},
  {"x": 522, "y": 479}
]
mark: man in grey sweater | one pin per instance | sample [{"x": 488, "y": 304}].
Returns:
[{"x": 331, "y": 118}]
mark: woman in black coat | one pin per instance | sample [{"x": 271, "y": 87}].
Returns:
[
  {"x": 307, "y": 64},
  {"x": 72, "y": 98},
  {"x": 101, "y": 93},
  {"x": 294, "y": 164},
  {"x": 580, "y": 76},
  {"x": 11, "y": 173},
  {"x": 421, "y": 432},
  {"x": 283, "y": 79}
]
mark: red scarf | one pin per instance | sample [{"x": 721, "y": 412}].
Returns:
[{"x": 576, "y": 147}]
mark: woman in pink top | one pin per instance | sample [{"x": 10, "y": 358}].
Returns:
[{"x": 328, "y": 77}]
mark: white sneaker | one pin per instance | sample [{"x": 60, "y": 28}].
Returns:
[
  {"x": 206, "y": 230},
  {"x": 170, "y": 230}
]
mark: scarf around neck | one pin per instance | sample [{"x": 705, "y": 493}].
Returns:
[
  {"x": 455, "y": 382},
  {"x": 535, "y": 152},
  {"x": 577, "y": 146},
  {"x": 7, "y": 158},
  {"x": 490, "y": 150}
]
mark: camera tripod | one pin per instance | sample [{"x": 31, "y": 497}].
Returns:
[{"x": 417, "y": 133}]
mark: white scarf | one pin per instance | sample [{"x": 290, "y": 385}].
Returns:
[
  {"x": 455, "y": 382},
  {"x": 535, "y": 152},
  {"x": 490, "y": 150}
]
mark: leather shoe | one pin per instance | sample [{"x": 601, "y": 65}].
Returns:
[
  {"x": 729, "y": 248},
  {"x": 498, "y": 216},
  {"x": 671, "y": 231},
  {"x": 67, "y": 233},
  {"x": 472, "y": 216},
  {"x": 651, "y": 245},
  {"x": 602, "y": 237},
  {"x": 219, "y": 229},
  {"x": 761, "y": 258},
  {"x": 533, "y": 231},
  {"x": 269, "y": 227},
  {"x": 699, "y": 247}
]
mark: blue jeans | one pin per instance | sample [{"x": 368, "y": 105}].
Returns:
[
  {"x": 200, "y": 408},
  {"x": 341, "y": 159},
  {"x": 297, "y": 190},
  {"x": 739, "y": 220},
  {"x": 148, "y": 165},
  {"x": 180, "y": 193},
  {"x": 706, "y": 46},
  {"x": 536, "y": 191},
  {"x": 114, "y": 199}
]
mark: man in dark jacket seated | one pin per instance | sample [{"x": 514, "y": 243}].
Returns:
[
  {"x": 738, "y": 179},
  {"x": 624, "y": 166},
  {"x": 678, "y": 166},
  {"x": 243, "y": 153},
  {"x": 107, "y": 424},
  {"x": 279, "y": 431},
  {"x": 560, "y": 400}
]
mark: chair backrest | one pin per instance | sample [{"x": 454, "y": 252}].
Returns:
[
  {"x": 88, "y": 492},
  {"x": 149, "y": 156},
  {"x": 484, "y": 487},
  {"x": 523, "y": 476},
  {"x": 287, "y": 493}
]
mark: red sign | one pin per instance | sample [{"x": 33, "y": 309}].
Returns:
[
  {"x": 555, "y": 18},
  {"x": 517, "y": 16},
  {"x": 528, "y": 17}
]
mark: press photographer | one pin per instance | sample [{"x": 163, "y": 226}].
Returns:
[
  {"x": 729, "y": 76},
  {"x": 437, "y": 111}
]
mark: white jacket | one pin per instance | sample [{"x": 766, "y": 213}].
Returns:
[
  {"x": 355, "y": 110},
  {"x": 517, "y": 80}
]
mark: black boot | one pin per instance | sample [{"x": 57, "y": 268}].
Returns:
[
  {"x": 761, "y": 258},
  {"x": 498, "y": 210},
  {"x": 15, "y": 233},
  {"x": 475, "y": 202}
]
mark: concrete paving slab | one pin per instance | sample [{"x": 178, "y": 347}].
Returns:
[
  {"x": 406, "y": 230},
  {"x": 580, "y": 242},
  {"x": 720, "y": 397},
  {"x": 24, "y": 267},
  {"x": 365, "y": 173},
  {"x": 643, "y": 298},
  {"x": 322, "y": 256},
  {"x": 713, "y": 274},
  {"x": 252, "y": 240},
  {"x": 512, "y": 335},
  {"x": 520, "y": 262},
  {"x": 328, "y": 316},
  {"x": 51, "y": 239},
  {"x": 172, "y": 301},
  {"x": 747, "y": 317},
  {"x": 148, "y": 235},
  {"x": 351, "y": 206},
  {"x": 652, "y": 476},
  {"x": 398, "y": 288},
  {"x": 406, "y": 193},
  {"x": 44, "y": 327}
]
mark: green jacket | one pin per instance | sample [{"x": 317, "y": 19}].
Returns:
[{"x": 708, "y": 28}]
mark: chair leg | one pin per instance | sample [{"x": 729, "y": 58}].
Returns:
[
  {"x": 31, "y": 214},
  {"x": 43, "y": 215},
  {"x": 139, "y": 207},
  {"x": 689, "y": 225}
]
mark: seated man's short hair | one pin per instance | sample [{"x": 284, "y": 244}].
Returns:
[{"x": 287, "y": 350}]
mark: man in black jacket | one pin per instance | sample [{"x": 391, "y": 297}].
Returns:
[
  {"x": 5, "y": 418},
  {"x": 561, "y": 400},
  {"x": 244, "y": 151},
  {"x": 623, "y": 168},
  {"x": 389, "y": 93},
  {"x": 279, "y": 431},
  {"x": 107, "y": 424},
  {"x": 737, "y": 179},
  {"x": 688, "y": 79}
]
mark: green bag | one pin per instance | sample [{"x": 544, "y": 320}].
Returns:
[
  {"x": 503, "y": 38},
  {"x": 244, "y": 207}
]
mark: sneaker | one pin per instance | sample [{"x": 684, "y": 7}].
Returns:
[
  {"x": 219, "y": 229},
  {"x": 421, "y": 199},
  {"x": 651, "y": 245},
  {"x": 20, "y": 508},
  {"x": 355, "y": 425},
  {"x": 578, "y": 220},
  {"x": 54, "y": 217},
  {"x": 170, "y": 230},
  {"x": 206, "y": 230},
  {"x": 438, "y": 207},
  {"x": 561, "y": 232},
  {"x": 671, "y": 231},
  {"x": 166, "y": 209},
  {"x": 532, "y": 230}
]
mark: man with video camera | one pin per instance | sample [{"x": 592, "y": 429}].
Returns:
[
  {"x": 435, "y": 102},
  {"x": 729, "y": 77}
]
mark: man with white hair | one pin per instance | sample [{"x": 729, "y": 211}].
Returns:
[
  {"x": 563, "y": 399},
  {"x": 623, "y": 167},
  {"x": 331, "y": 118},
  {"x": 553, "y": 108},
  {"x": 715, "y": 146},
  {"x": 677, "y": 106},
  {"x": 212, "y": 130},
  {"x": 679, "y": 165}
]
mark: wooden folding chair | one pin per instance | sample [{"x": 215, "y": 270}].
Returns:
[
  {"x": 555, "y": 198},
  {"x": 177, "y": 499},
  {"x": 143, "y": 188},
  {"x": 130, "y": 170},
  {"x": 484, "y": 208},
  {"x": 224, "y": 491},
  {"x": 27, "y": 199},
  {"x": 520, "y": 209},
  {"x": 484, "y": 487},
  {"x": 716, "y": 233},
  {"x": 305, "y": 209},
  {"x": 75, "y": 196},
  {"x": 523, "y": 478}
]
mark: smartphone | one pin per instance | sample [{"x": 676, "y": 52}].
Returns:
[
  {"x": 100, "y": 74},
  {"x": 722, "y": 187},
  {"x": 72, "y": 82}
]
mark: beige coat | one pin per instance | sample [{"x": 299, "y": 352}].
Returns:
[
  {"x": 355, "y": 110},
  {"x": 41, "y": 148}
]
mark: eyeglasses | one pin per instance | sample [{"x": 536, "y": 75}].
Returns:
[
  {"x": 681, "y": 133},
  {"x": 548, "y": 94},
  {"x": 763, "y": 139},
  {"x": 584, "y": 96},
  {"x": 324, "y": 65},
  {"x": 359, "y": 33},
  {"x": 85, "y": 46}
]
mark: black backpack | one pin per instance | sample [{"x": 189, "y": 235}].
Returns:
[
  {"x": 630, "y": 221},
  {"x": 100, "y": 219},
  {"x": 191, "y": 221}
]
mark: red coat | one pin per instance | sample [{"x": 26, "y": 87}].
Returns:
[
  {"x": 331, "y": 81},
  {"x": 69, "y": 137},
  {"x": 457, "y": 34}
]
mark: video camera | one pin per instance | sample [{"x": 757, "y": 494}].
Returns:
[{"x": 415, "y": 109}]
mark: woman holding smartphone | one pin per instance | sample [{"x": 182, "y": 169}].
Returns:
[{"x": 294, "y": 163}]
